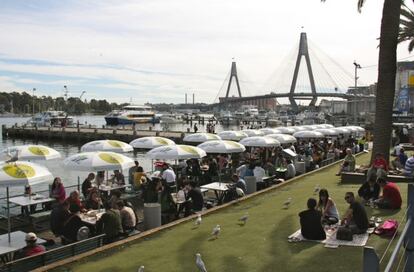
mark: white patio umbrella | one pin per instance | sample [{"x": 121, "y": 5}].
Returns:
[
  {"x": 352, "y": 129},
  {"x": 311, "y": 127},
  {"x": 267, "y": 131},
  {"x": 176, "y": 152},
  {"x": 220, "y": 146},
  {"x": 343, "y": 130},
  {"x": 299, "y": 128},
  {"x": 201, "y": 137},
  {"x": 21, "y": 173},
  {"x": 232, "y": 135},
  {"x": 328, "y": 126},
  {"x": 328, "y": 132},
  {"x": 286, "y": 130},
  {"x": 32, "y": 152},
  {"x": 107, "y": 145},
  {"x": 260, "y": 141},
  {"x": 98, "y": 161},
  {"x": 253, "y": 132},
  {"x": 151, "y": 142},
  {"x": 283, "y": 138},
  {"x": 308, "y": 135}
]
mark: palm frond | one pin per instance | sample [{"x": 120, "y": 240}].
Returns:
[
  {"x": 360, "y": 4},
  {"x": 411, "y": 46}
]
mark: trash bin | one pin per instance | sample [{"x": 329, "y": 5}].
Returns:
[
  {"x": 251, "y": 185},
  {"x": 152, "y": 215}
]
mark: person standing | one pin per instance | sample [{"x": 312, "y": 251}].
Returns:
[
  {"x": 168, "y": 175},
  {"x": 131, "y": 172},
  {"x": 195, "y": 128},
  {"x": 356, "y": 217},
  {"x": 310, "y": 222},
  {"x": 87, "y": 185},
  {"x": 58, "y": 190}
]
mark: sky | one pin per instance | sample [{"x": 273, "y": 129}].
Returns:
[{"x": 157, "y": 50}]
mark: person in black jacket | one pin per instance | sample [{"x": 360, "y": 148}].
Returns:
[
  {"x": 71, "y": 226},
  {"x": 58, "y": 216},
  {"x": 370, "y": 190},
  {"x": 310, "y": 222},
  {"x": 197, "y": 200}
]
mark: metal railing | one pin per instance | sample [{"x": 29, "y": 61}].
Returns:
[{"x": 371, "y": 261}]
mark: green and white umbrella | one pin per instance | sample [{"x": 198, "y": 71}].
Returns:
[
  {"x": 98, "y": 161},
  {"x": 176, "y": 152},
  {"x": 151, "y": 142},
  {"x": 267, "y": 131},
  {"x": 253, "y": 132},
  {"x": 232, "y": 135},
  {"x": 260, "y": 141},
  {"x": 220, "y": 146},
  {"x": 328, "y": 132},
  {"x": 283, "y": 138},
  {"x": 21, "y": 173},
  {"x": 286, "y": 130},
  {"x": 308, "y": 135},
  {"x": 32, "y": 152},
  {"x": 201, "y": 137},
  {"x": 107, "y": 145}
]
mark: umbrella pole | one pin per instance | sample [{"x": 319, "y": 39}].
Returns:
[{"x": 8, "y": 214}]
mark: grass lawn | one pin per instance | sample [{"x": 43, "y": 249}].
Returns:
[{"x": 260, "y": 245}]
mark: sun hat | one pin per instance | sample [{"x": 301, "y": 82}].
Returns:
[{"x": 31, "y": 237}]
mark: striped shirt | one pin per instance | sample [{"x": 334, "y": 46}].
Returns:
[{"x": 409, "y": 166}]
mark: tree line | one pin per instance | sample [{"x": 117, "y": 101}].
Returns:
[{"x": 24, "y": 103}]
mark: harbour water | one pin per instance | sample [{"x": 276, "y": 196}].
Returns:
[{"x": 67, "y": 149}]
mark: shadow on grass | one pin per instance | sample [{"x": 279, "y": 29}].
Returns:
[
  {"x": 233, "y": 263},
  {"x": 187, "y": 251}
]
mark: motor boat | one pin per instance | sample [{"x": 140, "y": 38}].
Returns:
[
  {"x": 51, "y": 118},
  {"x": 131, "y": 114}
]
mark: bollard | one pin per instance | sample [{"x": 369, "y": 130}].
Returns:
[
  {"x": 251, "y": 184},
  {"x": 150, "y": 128},
  {"x": 152, "y": 215}
]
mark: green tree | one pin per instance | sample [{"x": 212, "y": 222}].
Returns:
[{"x": 387, "y": 66}]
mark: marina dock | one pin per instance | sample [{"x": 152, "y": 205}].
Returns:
[{"x": 82, "y": 134}]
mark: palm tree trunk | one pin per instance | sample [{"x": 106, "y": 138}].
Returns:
[{"x": 387, "y": 66}]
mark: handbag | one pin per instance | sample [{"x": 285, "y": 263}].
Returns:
[
  {"x": 388, "y": 228},
  {"x": 344, "y": 233}
]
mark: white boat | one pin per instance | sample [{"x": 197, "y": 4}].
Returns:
[
  {"x": 227, "y": 118},
  {"x": 51, "y": 118},
  {"x": 131, "y": 114},
  {"x": 171, "y": 118}
]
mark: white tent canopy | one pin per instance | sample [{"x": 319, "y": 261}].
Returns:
[
  {"x": 107, "y": 145},
  {"x": 220, "y": 146},
  {"x": 232, "y": 135},
  {"x": 260, "y": 141},
  {"x": 176, "y": 152},
  {"x": 283, "y": 138},
  {"x": 308, "y": 135},
  {"x": 151, "y": 142},
  {"x": 201, "y": 137},
  {"x": 32, "y": 152},
  {"x": 98, "y": 161}
]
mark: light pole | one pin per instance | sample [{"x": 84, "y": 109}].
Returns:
[
  {"x": 357, "y": 66},
  {"x": 33, "y": 97}
]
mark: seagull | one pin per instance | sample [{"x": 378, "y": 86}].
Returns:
[
  {"x": 316, "y": 190},
  {"x": 141, "y": 268},
  {"x": 287, "y": 203},
  {"x": 198, "y": 220},
  {"x": 216, "y": 231},
  {"x": 200, "y": 264},
  {"x": 244, "y": 218}
]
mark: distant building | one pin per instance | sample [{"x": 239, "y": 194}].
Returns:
[
  {"x": 362, "y": 104},
  {"x": 333, "y": 106},
  {"x": 265, "y": 103},
  {"x": 404, "y": 87}
]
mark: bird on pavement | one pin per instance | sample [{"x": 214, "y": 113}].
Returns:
[
  {"x": 287, "y": 203},
  {"x": 141, "y": 268},
  {"x": 244, "y": 218},
  {"x": 200, "y": 264},
  {"x": 198, "y": 220},
  {"x": 216, "y": 231}
]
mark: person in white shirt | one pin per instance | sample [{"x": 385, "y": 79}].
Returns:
[
  {"x": 168, "y": 175},
  {"x": 241, "y": 170},
  {"x": 259, "y": 173},
  {"x": 291, "y": 170}
]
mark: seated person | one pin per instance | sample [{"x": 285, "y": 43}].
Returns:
[
  {"x": 290, "y": 169},
  {"x": 391, "y": 197},
  {"x": 396, "y": 165},
  {"x": 356, "y": 217},
  {"x": 197, "y": 199},
  {"x": 128, "y": 218},
  {"x": 370, "y": 190},
  {"x": 326, "y": 205},
  {"x": 87, "y": 185},
  {"x": 100, "y": 178},
  {"x": 409, "y": 166},
  {"x": 138, "y": 177},
  {"x": 310, "y": 222},
  {"x": 93, "y": 202},
  {"x": 239, "y": 183},
  {"x": 110, "y": 223},
  {"x": 115, "y": 196},
  {"x": 403, "y": 157},
  {"x": 379, "y": 167},
  {"x": 31, "y": 248},
  {"x": 71, "y": 226},
  {"x": 118, "y": 178},
  {"x": 25, "y": 209},
  {"x": 74, "y": 200},
  {"x": 58, "y": 216},
  {"x": 349, "y": 163}
]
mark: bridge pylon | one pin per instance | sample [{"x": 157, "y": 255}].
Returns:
[
  {"x": 233, "y": 74},
  {"x": 303, "y": 52}
]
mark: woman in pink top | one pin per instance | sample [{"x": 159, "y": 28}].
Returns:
[{"x": 58, "y": 190}]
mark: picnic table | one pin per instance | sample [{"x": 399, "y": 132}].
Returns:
[
  {"x": 219, "y": 189},
  {"x": 17, "y": 242},
  {"x": 91, "y": 217},
  {"x": 27, "y": 200},
  {"x": 109, "y": 188}
]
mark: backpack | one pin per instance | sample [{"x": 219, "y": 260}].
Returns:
[{"x": 388, "y": 228}]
